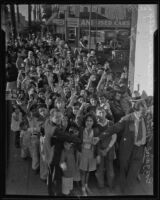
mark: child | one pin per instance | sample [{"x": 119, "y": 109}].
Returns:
[
  {"x": 68, "y": 165},
  {"x": 34, "y": 129},
  {"x": 89, "y": 139},
  {"x": 43, "y": 115},
  {"x": 25, "y": 140},
  {"x": 15, "y": 122},
  {"x": 52, "y": 150}
]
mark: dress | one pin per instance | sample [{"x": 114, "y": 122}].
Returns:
[
  {"x": 25, "y": 136},
  {"x": 87, "y": 160},
  {"x": 68, "y": 158}
]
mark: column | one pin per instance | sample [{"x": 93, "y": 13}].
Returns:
[{"x": 144, "y": 64}]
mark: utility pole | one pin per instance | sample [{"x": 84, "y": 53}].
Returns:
[
  {"x": 66, "y": 28},
  {"x": 18, "y": 18},
  {"x": 29, "y": 15},
  {"x": 37, "y": 13},
  {"x": 96, "y": 23},
  {"x": 40, "y": 16},
  {"x": 78, "y": 37},
  {"x": 14, "y": 31},
  {"x": 90, "y": 17},
  {"x": 34, "y": 13}
]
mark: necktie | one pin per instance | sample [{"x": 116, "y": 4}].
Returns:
[{"x": 140, "y": 133}]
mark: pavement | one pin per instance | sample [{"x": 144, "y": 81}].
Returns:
[{"x": 21, "y": 180}]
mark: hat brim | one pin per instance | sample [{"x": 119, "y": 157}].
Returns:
[{"x": 136, "y": 100}]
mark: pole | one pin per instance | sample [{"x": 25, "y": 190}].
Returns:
[
  {"x": 34, "y": 13},
  {"x": 40, "y": 16},
  {"x": 90, "y": 27},
  {"x": 96, "y": 24},
  {"x": 37, "y": 13},
  {"x": 78, "y": 36},
  {"x": 18, "y": 18},
  {"x": 14, "y": 31},
  {"x": 66, "y": 32},
  {"x": 29, "y": 15}
]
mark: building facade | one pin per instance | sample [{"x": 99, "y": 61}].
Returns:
[{"x": 109, "y": 25}]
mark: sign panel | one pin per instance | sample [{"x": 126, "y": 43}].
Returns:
[
  {"x": 105, "y": 23},
  {"x": 59, "y": 22},
  {"x": 72, "y": 22}
]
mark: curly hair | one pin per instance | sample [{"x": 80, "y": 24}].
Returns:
[{"x": 91, "y": 115}]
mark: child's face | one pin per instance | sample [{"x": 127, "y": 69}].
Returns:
[
  {"x": 67, "y": 145},
  {"x": 75, "y": 110},
  {"x": 81, "y": 100},
  {"x": 102, "y": 100},
  {"x": 83, "y": 93},
  {"x": 118, "y": 96},
  {"x": 91, "y": 90},
  {"x": 89, "y": 122},
  {"x": 42, "y": 111},
  {"x": 41, "y": 95},
  {"x": 25, "y": 127},
  {"x": 57, "y": 118},
  {"x": 60, "y": 104},
  {"x": 93, "y": 102},
  {"x": 31, "y": 97},
  {"x": 17, "y": 110},
  {"x": 66, "y": 90}
]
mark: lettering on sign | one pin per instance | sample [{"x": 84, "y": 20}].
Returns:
[
  {"x": 105, "y": 23},
  {"x": 58, "y": 22},
  {"x": 72, "y": 22}
]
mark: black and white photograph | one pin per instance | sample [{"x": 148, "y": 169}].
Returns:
[{"x": 79, "y": 96}]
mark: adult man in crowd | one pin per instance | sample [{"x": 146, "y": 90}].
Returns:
[{"x": 131, "y": 148}]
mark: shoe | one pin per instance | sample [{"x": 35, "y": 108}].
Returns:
[
  {"x": 84, "y": 193},
  {"x": 139, "y": 178},
  {"x": 37, "y": 171},
  {"x": 88, "y": 190}
]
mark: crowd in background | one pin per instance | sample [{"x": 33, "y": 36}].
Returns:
[{"x": 69, "y": 116}]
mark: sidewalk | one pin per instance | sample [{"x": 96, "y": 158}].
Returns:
[{"x": 21, "y": 180}]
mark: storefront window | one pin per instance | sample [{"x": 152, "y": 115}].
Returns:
[
  {"x": 85, "y": 9},
  {"x": 103, "y": 11}
]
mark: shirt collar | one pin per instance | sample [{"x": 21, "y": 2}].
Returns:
[
  {"x": 136, "y": 114},
  {"x": 103, "y": 124}
]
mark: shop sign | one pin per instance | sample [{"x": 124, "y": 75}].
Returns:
[
  {"x": 105, "y": 23},
  {"x": 72, "y": 22},
  {"x": 59, "y": 22}
]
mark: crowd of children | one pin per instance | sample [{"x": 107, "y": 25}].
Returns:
[{"x": 65, "y": 101}]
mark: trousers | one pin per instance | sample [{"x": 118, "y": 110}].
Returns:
[
  {"x": 54, "y": 180},
  {"x": 105, "y": 168},
  {"x": 43, "y": 163},
  {"x": 17, "y": 138},
  {"x": 35, "y": 152},
  {"x": 130, "y": 169}
]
